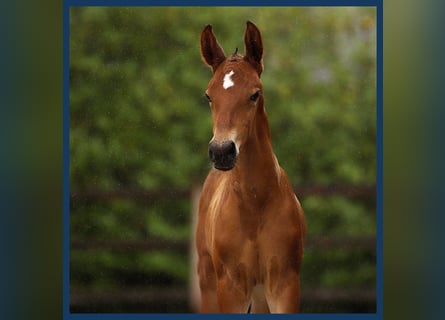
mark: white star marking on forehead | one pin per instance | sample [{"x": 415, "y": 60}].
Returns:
[{"x": 228, "y": 80}]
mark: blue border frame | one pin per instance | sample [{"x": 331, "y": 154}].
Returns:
[
  {"x": 66, "y": 169},
  {"x": 226, "y": 3}
]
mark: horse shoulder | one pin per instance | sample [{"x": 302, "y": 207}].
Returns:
[{"x": 286, "y": 215}]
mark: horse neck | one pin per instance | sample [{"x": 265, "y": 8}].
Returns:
[{"x": 257, "y": 167}]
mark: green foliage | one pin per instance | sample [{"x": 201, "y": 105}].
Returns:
[{"x": 138, "y": 120}]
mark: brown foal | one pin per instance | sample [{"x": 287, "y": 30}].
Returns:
[{"x": 251, "y": 226}]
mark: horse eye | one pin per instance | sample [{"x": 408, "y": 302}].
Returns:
[
  {"x": 255, "y": 96},
  {"x": 208, "y": 97}
]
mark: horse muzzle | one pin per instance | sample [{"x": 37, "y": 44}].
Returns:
[{"x": 223, "y": 155}]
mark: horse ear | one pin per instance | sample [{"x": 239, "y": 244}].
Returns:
[
  {"x": 211, "y": 52},
  {"x": 254, "y": 47}
]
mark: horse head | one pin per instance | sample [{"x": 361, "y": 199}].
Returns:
[{"x": 234, "y": 94}]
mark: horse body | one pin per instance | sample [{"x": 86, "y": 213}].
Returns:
[{"x": 251, "y": 226}]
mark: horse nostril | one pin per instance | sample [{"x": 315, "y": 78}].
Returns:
[
  {"x": 229, "y": 149},
  {"x": 213, "y": 150},
  {"x": 211, "y": 154}
]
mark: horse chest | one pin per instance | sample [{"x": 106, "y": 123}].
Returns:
[
  {"x": 233, "y": 235},
  {"x": 230, "y": 215}
]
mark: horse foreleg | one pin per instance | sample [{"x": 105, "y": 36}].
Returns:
[
  {"x": 233, "y": 292},
  {"x": 207, "y": 284},
  {"x": 283, "y": 296}
]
